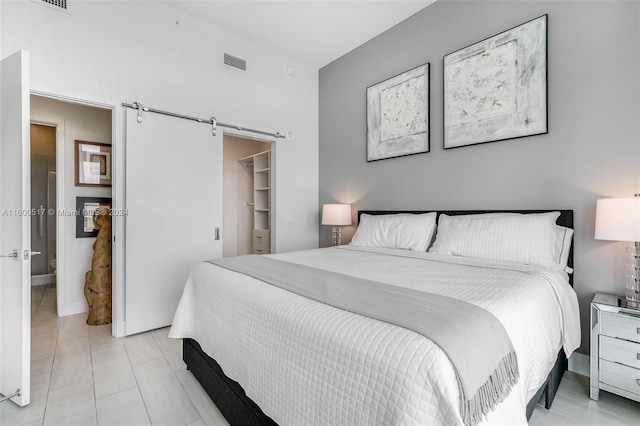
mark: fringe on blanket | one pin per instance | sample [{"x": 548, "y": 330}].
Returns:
[{"x": 491, "y": 393}]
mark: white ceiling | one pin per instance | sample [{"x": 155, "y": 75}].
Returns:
[{"x": 316, "y": 32}]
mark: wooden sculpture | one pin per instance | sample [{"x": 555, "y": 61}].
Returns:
[{"x": 97, "y": 286}]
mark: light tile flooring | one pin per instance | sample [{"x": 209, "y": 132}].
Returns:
[
  {"x": 83, "y": 376},
  {"x": 80, "y": 375}
]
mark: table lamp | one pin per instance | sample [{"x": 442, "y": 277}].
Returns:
[
  {"x": 618, "y": 219},
  {"x": 337, "y": 215}
]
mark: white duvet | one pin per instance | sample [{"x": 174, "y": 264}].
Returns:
[{"x": 306, "y": 363}]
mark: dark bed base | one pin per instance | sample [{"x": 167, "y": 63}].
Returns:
[
  {"x": 228, "y": 395},
  {"x": 239, "y": 409}
]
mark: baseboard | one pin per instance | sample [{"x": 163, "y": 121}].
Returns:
[
  {"x": 579, "y": 363},
  {"x": 43, "y": 279},
  {"x": 72, "y": 308}
]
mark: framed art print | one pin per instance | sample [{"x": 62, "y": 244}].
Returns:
[
  {"x": 85, "y": 209},
  {"x": 398, "y": 115},
  {"x": 93, "y": 164},
  {"x": 496, "y": 89}
]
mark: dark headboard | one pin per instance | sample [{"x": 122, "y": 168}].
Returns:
[{"x": 565, "y": 219}]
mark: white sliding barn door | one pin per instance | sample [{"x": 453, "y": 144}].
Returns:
[
  {"x": 15, "y": 229},
  {"x": 173, "y": 199}
]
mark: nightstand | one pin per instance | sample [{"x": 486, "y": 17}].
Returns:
[{"x": 615, "y": 347}]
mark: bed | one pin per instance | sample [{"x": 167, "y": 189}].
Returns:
[{"x": 256, "y": 348}]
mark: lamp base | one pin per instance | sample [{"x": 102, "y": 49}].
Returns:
[
  {"x": 633, "y": 276},
  {"x": 336, "y": 236}
]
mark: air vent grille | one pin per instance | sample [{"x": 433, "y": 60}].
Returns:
[
  {"x": 60, "y": 5},
  {"x": 235, "y": 62}
]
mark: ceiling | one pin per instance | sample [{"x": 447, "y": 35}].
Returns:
[{"x": 315, "y": 32}]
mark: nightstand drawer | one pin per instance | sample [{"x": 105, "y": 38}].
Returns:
[
  {"x": 620, "y": 351},
  {"x": 620, "y": 325},
  {"x": 620, "y": 376}
]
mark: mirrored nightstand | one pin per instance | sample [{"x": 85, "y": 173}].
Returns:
[{"x": 615, "y": 347}]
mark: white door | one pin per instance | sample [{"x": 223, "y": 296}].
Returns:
[
  {"x": 15, "y": 229},
  {"x": 173, "y": 198}
]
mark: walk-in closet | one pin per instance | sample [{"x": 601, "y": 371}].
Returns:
[{"x": 247, "y": 196}]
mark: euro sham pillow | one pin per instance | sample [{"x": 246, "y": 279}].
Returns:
[
  {"x": 398, "y": 231},
  {"x": 526, "y": 238}
]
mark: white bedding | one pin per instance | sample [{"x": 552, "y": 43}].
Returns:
[{"x": 305, "y": 363}]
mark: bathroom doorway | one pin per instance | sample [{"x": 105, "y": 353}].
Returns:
[
  {"x": 66, "y": 254},
  {"x": 43, "y": 204}
]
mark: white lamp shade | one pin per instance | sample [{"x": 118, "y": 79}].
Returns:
[
  {"x": 336, "y": 214},
  {"x": 618, "y": 219}
]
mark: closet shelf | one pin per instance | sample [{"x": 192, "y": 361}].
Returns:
[{"x": 259, "y": 167}]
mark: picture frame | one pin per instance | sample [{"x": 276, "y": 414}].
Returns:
[
  {"x": 92, "y": 164},
  {"x": 496, "y": 89},
  {"x": 85, "y": 209},
  {"x": 398, "y": 115}
]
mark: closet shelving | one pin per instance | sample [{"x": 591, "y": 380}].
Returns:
[{"x": 261, "y": 164}]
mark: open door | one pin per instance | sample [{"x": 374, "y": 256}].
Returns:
[
  {"x": 15, "y": 230},
  {"x": 173, "y": 198}
]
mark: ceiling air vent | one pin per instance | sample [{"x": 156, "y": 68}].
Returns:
[
  {"x": 61, "y": 5},
  {"x": 235, "y": 62}
]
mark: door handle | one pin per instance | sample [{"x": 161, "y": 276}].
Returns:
[
  {"x": 18, "y": 255},
  {"x": 217, "y": 234},
  {"x": 15, "y": 254}
]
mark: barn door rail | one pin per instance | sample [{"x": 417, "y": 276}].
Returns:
[{"x": 141, "y": 108}]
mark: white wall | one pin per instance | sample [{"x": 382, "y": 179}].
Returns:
[
  {"x": 80, "y": 123},
  {"x": 134, "y": 51}
]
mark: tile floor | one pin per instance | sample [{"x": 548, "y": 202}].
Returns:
[{"x": 83, "y": 376}]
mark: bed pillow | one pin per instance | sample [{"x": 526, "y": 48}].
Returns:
[
  {"x": 525, "y": 238},
  {"x": 399, "y": 231},
  {"x": 562, "y": 247}
]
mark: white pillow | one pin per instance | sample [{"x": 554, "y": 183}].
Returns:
[
  {"x": 562, "y": 246},
  {"x": 400, "y": 231},
  {"x": 526, "y": 238},
  {"x": 561, "y": 241}
]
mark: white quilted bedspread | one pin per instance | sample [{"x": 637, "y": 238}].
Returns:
[{"x": 306, "y": 363}]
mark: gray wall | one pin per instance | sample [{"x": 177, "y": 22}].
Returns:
[{"x": 592, "y": 149}]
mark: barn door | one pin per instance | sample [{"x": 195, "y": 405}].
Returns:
[{"x": 174, "y": 212}]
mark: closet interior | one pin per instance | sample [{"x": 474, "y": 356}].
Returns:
[{"x": 247, "y": 196}]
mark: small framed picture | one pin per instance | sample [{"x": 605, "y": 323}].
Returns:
[
  {"x": 85, "y": 209},
  {"x": 93, "y": 164}
]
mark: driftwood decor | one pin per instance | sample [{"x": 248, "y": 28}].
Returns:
[{"x": 97, "y": 286}]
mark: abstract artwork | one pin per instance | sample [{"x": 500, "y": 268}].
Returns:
[
  {"x": 496, "y": 89},
  {"x": 93, "y": 164},
  {"x": 398, "y": 115},
  {"x": 85, "y": 210}
]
